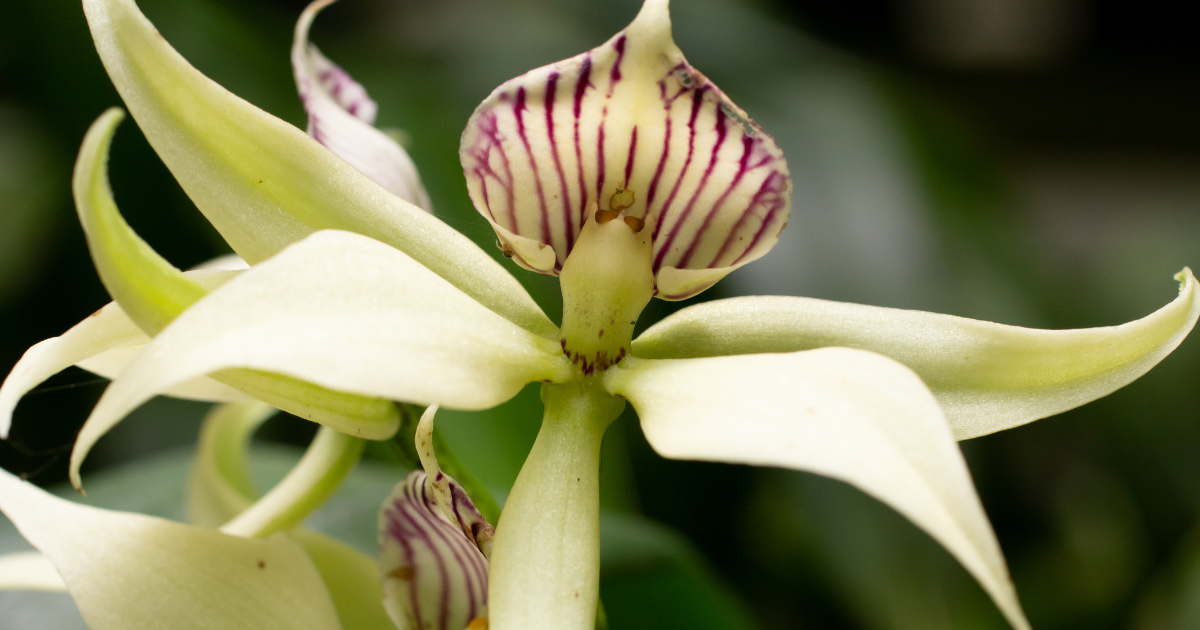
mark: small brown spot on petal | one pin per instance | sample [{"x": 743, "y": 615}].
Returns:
[
  {"x": 478, "y": 623},
  {"x": 635, "y": 224},
  {"x": 262, "y": 565},
  {"x": 401, "y": 573},
  {"x": 604, "y": 216}
]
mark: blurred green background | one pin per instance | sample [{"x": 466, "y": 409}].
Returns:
[{"x": 1032, "y": 162}]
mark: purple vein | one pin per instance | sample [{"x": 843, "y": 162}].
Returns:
[
  {"x": 519, "y": 110},
  {"x": 687, "y": 210},
  {"x": 581, "y": 85},
  {"x": 743, "y": 163},
  {"x": 697, "y": 100},
  {"x": 548, "y": 104}
]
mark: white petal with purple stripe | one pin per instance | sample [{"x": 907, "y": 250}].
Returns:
[
  {"x": 433, "y": 576},
  {"x": 341, "y": 116},
  {"x": 630, "y": 127}
]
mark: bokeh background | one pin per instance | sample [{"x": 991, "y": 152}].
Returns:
[{"x": 1032, "y": 162}]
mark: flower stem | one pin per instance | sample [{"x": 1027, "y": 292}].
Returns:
[{"x": 545, "y": 571}]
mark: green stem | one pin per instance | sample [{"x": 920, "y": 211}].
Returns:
[{"x": 545, "y": 565}]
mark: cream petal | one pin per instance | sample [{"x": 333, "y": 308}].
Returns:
[
  {"x": 988, "y": 377},
  {"x": 352, "y": 578},
  {"x": 29, "y": 571},
  {"x": 153, "y": 292},
  {"x": 263, "y": 183},
  {"x": 630, "y": 115},
  {"x": 133, "y": 572},
  {"x": 345, "y": 312},
  {"x": 220, "y": 487},
  {"x": 847, "y": 414},
  {"x": 104, "y": 343},
  {"x": 341, "y": 116}
]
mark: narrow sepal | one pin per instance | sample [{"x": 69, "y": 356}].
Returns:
[
  {"x": 104, "y": 344},
  {"x": 134, "y": 572},
  {"x": 628, "y": 127},
  {"x": 341, "y": 117},
  {"x": 148, "y": 288},
  {"x": 265, "y": 184},
  {"x": 344, "y": 312},
  {"x": 433, "y": 575},
  {"x": 847, "y": 414},
  {"x": 987, "y": 377}
]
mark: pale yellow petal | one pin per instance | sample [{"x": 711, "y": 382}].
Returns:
[
  {"x": 134, "y": 572},
  {"x": 344, "y": 312},
  {"x": 847, "y": 414},
  {"x": 29, "y": 571},
  {"x": 988, "y": 377},
  {"x": 265, "y": 184}
]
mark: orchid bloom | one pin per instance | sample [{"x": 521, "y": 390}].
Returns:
[{"x": 624, "y": 172}]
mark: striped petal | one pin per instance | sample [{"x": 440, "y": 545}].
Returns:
[
  {"x": 433, "y": 575},
  {"x": 341, "y": 116},
  {"x": 631, "y": 128}
]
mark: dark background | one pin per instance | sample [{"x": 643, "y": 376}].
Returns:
[{"x": 1033, "y": 162}]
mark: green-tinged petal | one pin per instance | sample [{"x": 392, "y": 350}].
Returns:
[
  {"x": 846, "y": 414},
  {"x": 132, "y": 572},
  {"x": 219, "y": 485},
  {"x": 341, "y": 116},
  {"x": 330, "y": 457},
  {"x": 345, "y": 312},
  {"x": 149, "y": 289},
  {"x": 987, "y": 377},
  {"x": 153, "y": 292},
  {"x": 104, "y": 343},
  {"x": 263, "y": 183},
  {"x": 628, "y": 127},
  {"x": 29, "y": 571},
  {"x": 352, "y": 578}
]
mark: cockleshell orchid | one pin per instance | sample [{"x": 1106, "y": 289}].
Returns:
[{"x": 623, "y": 171}]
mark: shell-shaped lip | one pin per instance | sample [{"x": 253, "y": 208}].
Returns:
[{"x": 628, "y": 127}]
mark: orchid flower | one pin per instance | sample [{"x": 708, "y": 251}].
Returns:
[{"x": 626, "y": 173}]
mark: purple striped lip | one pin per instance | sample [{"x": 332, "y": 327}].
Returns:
[
  {"x": 433, "y": 575},
  {"x": 553, "y": 146}
]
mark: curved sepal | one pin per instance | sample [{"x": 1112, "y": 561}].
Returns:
[
  {"x": 341, "y": 116},
  {"x": 134, "y": 572},
  {"x": 104, "y": 344},
  {"x": 987, "y": 377},
  {"x": 847, "y": 414},
  {"x": 628, "y": 127},
  {"x": 344, "y": 312},
  {"x": 265, "y": 184}
]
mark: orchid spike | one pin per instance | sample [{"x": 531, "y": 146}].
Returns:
[
  {"x": 433, "y": 547},
  {"x": 341, "y": 116},
  {"x": 629, "y": 129},
  {"x": 629, "y": 175}
]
